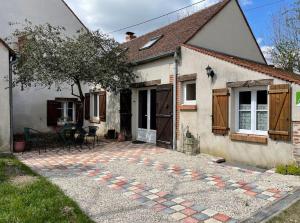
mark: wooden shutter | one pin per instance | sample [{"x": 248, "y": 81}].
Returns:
[
  {"x": 102, "y": 106},
  {"x": 87, "y": 106},
  {"x": 280, "y": 112},
  {"x": 53, "y": 112},
  {"x": 220, "y": 111}
]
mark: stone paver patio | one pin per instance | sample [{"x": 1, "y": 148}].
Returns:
[{"x": 124, "y": 182}]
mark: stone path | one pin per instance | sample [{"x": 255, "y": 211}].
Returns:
[{"x": 94, "y": 165}]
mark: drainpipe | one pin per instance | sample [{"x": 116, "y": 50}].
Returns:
[
  {"x": 12, "y": 61},
  {"x": 176, "y": 60}
]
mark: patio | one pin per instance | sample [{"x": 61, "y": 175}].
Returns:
[{"x": 124, "y": 182}]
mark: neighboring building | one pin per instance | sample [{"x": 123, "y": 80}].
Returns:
[
  {"x": 36, "y": 107},
  {"x": 246, "y": 112},
  {"x": 6, "y": 53}
]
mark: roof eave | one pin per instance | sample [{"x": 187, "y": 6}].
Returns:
[{"x": 151, "y": 59}]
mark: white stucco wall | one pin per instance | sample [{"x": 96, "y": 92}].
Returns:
[
  {"x": 4, "y": 99},
  {"x": 38, "y": 12},
  {"x": 200, "y": 121},
  {"x": 228, "y": 32}
]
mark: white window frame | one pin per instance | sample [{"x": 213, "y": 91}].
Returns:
[
  {"x": 254, "y": 110},
  {"x": 184, "y": 86},
  {"x": 92, "y": 105},
  {"x": 65, "y": 111}
]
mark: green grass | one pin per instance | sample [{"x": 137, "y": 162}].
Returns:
[
  {"x": 288, "y": 169},
  {"x": 291, "y": 215},
  {"x": 36, "y": 201}
]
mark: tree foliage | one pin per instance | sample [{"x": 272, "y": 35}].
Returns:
[
  {"x": 286, "y": 51},
  {"x": 50, "y": 58}
]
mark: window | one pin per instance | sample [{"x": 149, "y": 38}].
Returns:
[
  {"x": 66, "y": 112},
  {"x": 189, "y": 93},
  {"x": 95, "y": 105},
  {"x": 252, "y": 111},
  {"x": 151, "y": 42}
]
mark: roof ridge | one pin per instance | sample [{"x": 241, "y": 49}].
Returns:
[{"x": 183, "y": 19}]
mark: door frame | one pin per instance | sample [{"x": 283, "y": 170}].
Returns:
[{"x": 147, "y": 135}]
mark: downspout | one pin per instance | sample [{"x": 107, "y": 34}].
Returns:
[
  {"x": 176, "y": 60},
  {"x": 12, "y": 61}
]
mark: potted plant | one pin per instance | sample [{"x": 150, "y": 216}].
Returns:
[{"x": 19, "y": 143}]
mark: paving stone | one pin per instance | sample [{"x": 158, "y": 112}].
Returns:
[
  {"x": 198, "y": 208},
  {"x": 169, "y": 211},
  {"x": 209, "y": 212},
  {"x": 178, "y": 207},
  {"x": 169, "y": 203},
  {"x": 177, "y": 216},
  {"x": 188, "y": 211},
  {"x": 178, "y": 200},
  {"x": 200, "y": 216},
  {"x": 190, "y": 220},
  {"x": 221, "y": 217}
]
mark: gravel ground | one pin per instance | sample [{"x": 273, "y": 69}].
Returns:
[
  {"x": 236, "y": 205},
  {"x": 101, "y": 203}
]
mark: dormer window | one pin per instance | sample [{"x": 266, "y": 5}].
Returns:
[{"x": 151, "y": 42}]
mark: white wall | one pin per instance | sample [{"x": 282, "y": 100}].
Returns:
[
  {"x": 38, "y": 12},
  {"x": 4, "y": 99},
  {"x": 228, "y": 33},
  {"x": 200, "y": 121}
]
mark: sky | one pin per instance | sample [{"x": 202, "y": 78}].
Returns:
[{"x": 110, "y": 15}]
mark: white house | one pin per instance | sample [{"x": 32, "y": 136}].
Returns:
[
  {"x": 39, "y": 108},
  {"x": 206, "y": 73}
]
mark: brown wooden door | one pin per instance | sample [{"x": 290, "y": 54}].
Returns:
[
  {"x": 164, "y": 116},
  {"x": 125, "y": 112}
]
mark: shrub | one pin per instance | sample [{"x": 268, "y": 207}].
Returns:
[{"x": 292, "y": 169}]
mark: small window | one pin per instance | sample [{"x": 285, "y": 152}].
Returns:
[
  {"x": 252, "y": 111},
  {"x": 151, "y": 42},
  {"x": 189, "y": 93},
  {"x": 67, "y": 112}
]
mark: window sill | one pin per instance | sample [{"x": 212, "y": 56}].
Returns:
[
  {"x": 249, "y": 138},
  {"x": 188, "y": 107}
]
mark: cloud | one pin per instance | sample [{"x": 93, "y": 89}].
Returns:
[
  {"x": 266, "y": 50},
  {"x": 109, "y": 15}
]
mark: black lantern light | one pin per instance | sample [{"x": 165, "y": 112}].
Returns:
[{"x": 210, "y": 72}]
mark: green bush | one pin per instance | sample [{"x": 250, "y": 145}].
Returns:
[{"x": 292, "y": 169}]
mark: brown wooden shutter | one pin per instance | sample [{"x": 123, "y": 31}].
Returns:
[
  {"x": 220, "y": 111},
  {"x": 280, "y": 112},
  {"x": 87, "y": 106},
  {"x": 102, "y": 106},
  {"x": 53, "y": 112}
]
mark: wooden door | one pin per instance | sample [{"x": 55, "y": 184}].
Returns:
[
  {"x": 125, "y": 113},
  {"x": 164, "y": 116}
]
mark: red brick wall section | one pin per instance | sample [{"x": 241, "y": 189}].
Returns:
[
  {"x": 296, "y": 141},
  {"x": 178, "y": 103}
]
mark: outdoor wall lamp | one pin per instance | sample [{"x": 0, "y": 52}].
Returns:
[{"x": 210, "y": 72}]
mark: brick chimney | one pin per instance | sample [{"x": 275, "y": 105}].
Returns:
[{"x": 129, "y": 36}]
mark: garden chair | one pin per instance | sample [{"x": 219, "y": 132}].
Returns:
[
  {"x": 92, "y": 132},
  {"x": 81, "y": 138},
  {"x": 34, "y": 138},
  {"x": 67, "y": 136}
]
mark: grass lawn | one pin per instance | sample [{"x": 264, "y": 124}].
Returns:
[
  {"x": 27, "y": 197},
  {"x": 290, "y": 215}
]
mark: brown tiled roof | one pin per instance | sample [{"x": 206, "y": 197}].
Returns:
[
  {"x": 174, "y": 34},
  {"x": 251, "y": 65}
]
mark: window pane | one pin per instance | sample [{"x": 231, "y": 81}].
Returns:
[
  {"x": 245, "y": 120},
  {"x": 245, "y": 100},
  {"x": 191, "y": 92},
  {"x": 262, "y": 100},
  {"x": 95, "y": 105},
  {"x": 262, "y": 120},
  {"x": 262, "y": 111},
  {"x": 70, "y": 111},
  {"x": 61, "y": 110}
]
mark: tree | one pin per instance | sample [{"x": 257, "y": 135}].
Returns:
[
  {"x": 49, "y": 58},
  {"x": 286, "y": 51}
]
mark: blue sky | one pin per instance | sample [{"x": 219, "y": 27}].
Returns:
[{"x": 109, "y": 15}]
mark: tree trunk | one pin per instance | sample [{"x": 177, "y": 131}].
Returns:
[{"x": 80, "y": 120}]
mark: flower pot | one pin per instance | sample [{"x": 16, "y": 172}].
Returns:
[{"x": 19, "y": 146}]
